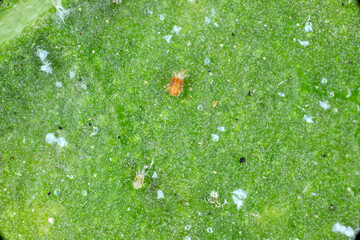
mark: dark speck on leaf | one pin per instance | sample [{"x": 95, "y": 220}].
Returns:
[
  {"x": 209, "y": 70},
  {"x": 7, "y": 4},
  {"x": 262, "y": 104},
  {"x": 209, "y": 213},
  {"x": 21, "y": 65},
  {"x": 350, "y": 62},
  {"x": 332, "y": 207},
  {"x": 15, "y": 113},
  {"x": 233, "y": 34},
  {"x": 242, "y": 160},
  {"x": 12, "y": 158},
  {"x": 324, "y": 155},
  {"x": 9, "y": 128},
  {"x": 175, "y": 194},
  {"x": 80, "y": 33},
  {"x": 60, "y": 127},
  {"x": 249, "y": 93},
  {"x": 49, "y": 193},
  {"x": 342, "y": 4},
  {"x": 118, "y": 137},
  {"x": 89, "y": 124},
  {"x": 236, "y": 119},
  {"x": 80, "y": 79}
]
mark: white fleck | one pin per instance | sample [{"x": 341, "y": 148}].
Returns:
[
  {"x": 348, "y": 231},
  {"x": 42, "y": 54},
  {"x": 96, "y": 130},
  {"x": 61, "y": 142},
  {"x": 46, "y": 67},
  {"x": 149, "y": 11},
  {"x": 324, "y": 80},
  {"x": 71, "y": 177},
  {"x": 72, "y": 74},
  {"x": 167, "y": 38},
  {"x": 207, "y": 20},
  {"x": 297, "y": 24},
  {"x": 331, "y": 94},
  {"x": 238, "y": 197},
  {"x": 308, "y": 119},
  {"x": 210, "y": 73},
  {"x": 83, "y": 86},
  {"x": 160, "y": 194},
  {"x": 308, "y": 27},
  {"x": 187, "y": 237},
  {"x": 221, "y": 129},
  {"x": 58, "y": 84},
  {"x": 60, "y": 10},
  {"x": 313, "y": 194},
  {"x": 325, "y": 105},
  {"x": 200, "y": 107},
  {"x": 187, "y": 227},
  {"x": 57, "y": 192},
  {"x": 207, "y": 61},
  {"x": 84, "y": 193},
  {"x": 281, "y": 94},
  {"x": 213, "y": 12},
  {"x": 349, "y": 93},
  {"x": 162, "y": 17},
  {"x": 304, "y": 43},
  {"x": 216, "y": 24},
  {"x": 209, "y": 230},
  {"x": 215, "y": 137},
  {"x": 358, "y": 107},
  {"x": 176, "y": 29},
  {"x": 51, "y": 220},
  {"x": 50, "y": 138},
  {"x": 154, "y": 175}
]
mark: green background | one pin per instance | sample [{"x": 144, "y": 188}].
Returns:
[{"x": 293, "y": 171}]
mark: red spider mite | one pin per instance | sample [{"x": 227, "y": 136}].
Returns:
[{"x": 176, "y": 83}]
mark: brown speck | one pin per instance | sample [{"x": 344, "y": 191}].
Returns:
[
  {"x": 21, "y": 65},
  {"x": 80, "y": 34},
  {"x": 12, "y": 158}
]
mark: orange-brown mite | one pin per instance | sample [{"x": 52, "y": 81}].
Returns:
[{"x": 176, "y": 83}]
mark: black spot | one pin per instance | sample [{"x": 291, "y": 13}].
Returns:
[
  {"x": 233, "y": 34},
  {"x": 118, "y": 137},
  {"x": 60, "y": 127},
  {"x": 7, "y": 4},
  {"x": 80, "y": 79},
  {"x": 209, "y": 213},
  {"x": 175, "y": 194},
  {"x": 342, "y": 4},
  {"x": 89, "y": 124},
  {"x": 120, "y": 50},
  {"x": 357, "y": 236},
  {"x": 15, "y": 113},
  {"x": 49, "y": 193},
  {"x": 249, "y": 93},
  {"x": 236, "y": 119},
  {"x": 80, "y": 33},
  {"x": 209, "y": 70},
  {"x": 262, "y": 104},
  {"x": 332, "y": 207},
  {"x": 12, "y": 158},
  {"x": 242, "y": 160},
  {"x": 324, "y": 155}
]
